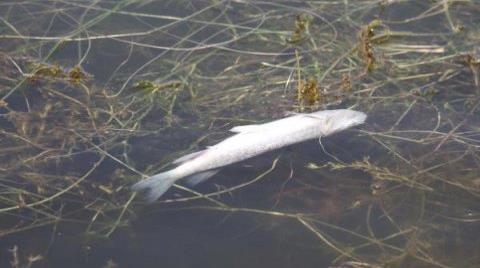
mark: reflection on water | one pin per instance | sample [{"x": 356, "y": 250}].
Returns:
[{"x": 94, "y": 94}]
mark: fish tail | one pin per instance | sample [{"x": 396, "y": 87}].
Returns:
[{"x": 156, "y": 185}]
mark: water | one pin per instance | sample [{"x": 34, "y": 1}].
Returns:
[{"x": 95, "y": 94}]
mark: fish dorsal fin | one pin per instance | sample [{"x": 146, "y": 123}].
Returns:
[
  {"x": 313, "y": 116},
  {"x": 187, "y": 157},
  {"x": 246, "y": 128}
]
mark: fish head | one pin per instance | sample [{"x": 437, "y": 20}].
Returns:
[{"x": 333, "y": 121}]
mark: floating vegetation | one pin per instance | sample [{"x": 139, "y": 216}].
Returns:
[
  {"x": 96, "y": 94},
  {"x": 46, "y": 71},
  {"x": 346, "y": 85},
  {"x": 77, "y": 75},
  {"x": 48, "y": 127},
  {"x": 17, "y": 263},
  {"x": 473, "y": 61},
  {"x": 41, "y": 71},
  {"x": 308, "y": 92},
  {"x": 301, "y": 32},
  {"x": 367, "y": 41},
  {"x": 153, "y": 87}
]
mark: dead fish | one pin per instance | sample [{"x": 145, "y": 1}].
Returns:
[{"x": 250, "y": 141}]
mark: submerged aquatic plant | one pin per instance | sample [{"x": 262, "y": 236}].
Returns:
[
  {"x": 301, "y": 32},
  {"x": 308, "y": 91},
  {"x": 146, "y": 85},
  {"x": 367, "y": 39},
  {"x": 473, "y": 61}
]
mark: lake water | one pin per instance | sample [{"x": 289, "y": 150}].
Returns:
[{"x": 97, "y": 94}]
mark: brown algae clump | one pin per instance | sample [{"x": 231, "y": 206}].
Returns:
[{"x": 301, "y": 32}]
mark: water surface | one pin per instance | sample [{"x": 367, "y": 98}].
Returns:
[{"x": 95, "y": 94}]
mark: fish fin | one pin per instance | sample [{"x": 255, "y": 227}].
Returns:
[
  {"x": 195, "y": 179},
  {"x": 246, "y": 128},
  {"x": 155, "y": 186},
  {"x": 187, "y": 157},
  {"x": 290, "y": 113},
  {"x": 313, "y": 116}
]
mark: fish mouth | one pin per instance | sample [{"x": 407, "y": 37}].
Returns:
[
  {"x": 357, "y": 118},
  {"x": 360, "y": 118},
  {"x": 344, "y": 119}
]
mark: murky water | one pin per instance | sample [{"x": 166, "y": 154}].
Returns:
[{"x": 96, "y": 93}]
